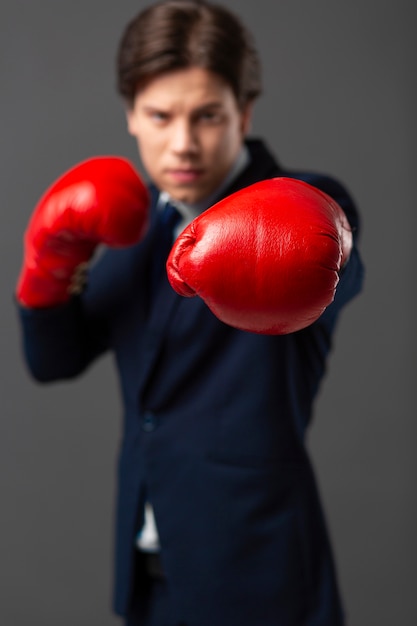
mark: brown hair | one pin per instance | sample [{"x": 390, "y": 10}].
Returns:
[{"x": 176, "y": 34}]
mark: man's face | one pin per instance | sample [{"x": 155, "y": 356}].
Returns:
[{"x": 189, "y": 130}]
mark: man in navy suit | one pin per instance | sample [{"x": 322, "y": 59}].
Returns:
[{"x": 219, "y": 522}]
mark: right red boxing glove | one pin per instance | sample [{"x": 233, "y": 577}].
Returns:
[
  {"x": 267, "y": 258},
  {"x": 101, "y": 200}
]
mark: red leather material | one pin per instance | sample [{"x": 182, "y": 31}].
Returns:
[
  {"x": 265, "y": 259},
  {"x": 101, "y": 200}
]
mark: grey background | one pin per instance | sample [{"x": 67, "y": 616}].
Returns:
[{"x": 340, "y": 97}]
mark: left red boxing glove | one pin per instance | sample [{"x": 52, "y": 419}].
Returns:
[
  {"x": 101, "y": 200},
  {"x": 265, "y": 259}
]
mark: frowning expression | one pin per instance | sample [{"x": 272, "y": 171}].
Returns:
[{"x": 189, "y": 129}]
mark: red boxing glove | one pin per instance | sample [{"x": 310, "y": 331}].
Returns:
[
  {"x": 101, "y": 200},
  {"x": 265, "y": 259}
]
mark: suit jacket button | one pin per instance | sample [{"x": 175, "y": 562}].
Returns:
[{"x": 149, "y": 422}]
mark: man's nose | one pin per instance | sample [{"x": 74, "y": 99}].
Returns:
[{"x": 184, "y": 138}]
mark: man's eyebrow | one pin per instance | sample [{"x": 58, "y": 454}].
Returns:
[
  {"x": 150, "y": 107},
  {"x": 210, "y": 105},
  {"x": 154, "y": 107}
]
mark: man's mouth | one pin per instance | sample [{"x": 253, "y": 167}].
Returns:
[{"x": 185, "y": 175}]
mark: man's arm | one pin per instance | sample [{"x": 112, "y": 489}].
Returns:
[
  {"x": 59, "y": 342},
  {"x": 101, "y": 200}
]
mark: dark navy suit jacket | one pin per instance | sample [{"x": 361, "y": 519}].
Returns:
[{"x": 213, "y": 434}]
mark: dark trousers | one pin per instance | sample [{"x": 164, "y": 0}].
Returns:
[{"x": 151, "y": 602}]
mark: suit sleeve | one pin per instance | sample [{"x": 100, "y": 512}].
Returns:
[
  {"x": 60, "y": 342},
  {"x": 352, "y": 275}
]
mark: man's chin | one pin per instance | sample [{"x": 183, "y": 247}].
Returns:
[{"x": 187, "y": 195}]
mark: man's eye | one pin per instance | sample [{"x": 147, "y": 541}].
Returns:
[
  {"x": 210, "y": 117},
  {"x": 159, "y": 116}
]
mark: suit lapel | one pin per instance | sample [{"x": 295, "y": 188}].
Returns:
[{"x": 163, "y": 303}]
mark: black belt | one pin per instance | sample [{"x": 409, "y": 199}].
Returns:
[{"x": 153, "y": 565}]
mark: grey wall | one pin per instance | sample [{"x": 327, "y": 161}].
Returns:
[{"x": 340, "y": 97}]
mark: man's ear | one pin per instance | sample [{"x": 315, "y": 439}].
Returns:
[
  {"x": 130, "y": 120},
  {"x": 246, "y": 119}
]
